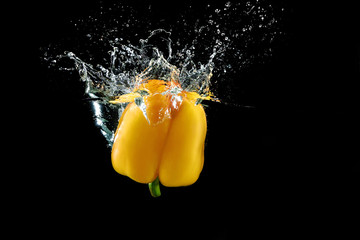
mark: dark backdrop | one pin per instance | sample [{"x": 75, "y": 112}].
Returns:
[{"x": 282, "y": 167}]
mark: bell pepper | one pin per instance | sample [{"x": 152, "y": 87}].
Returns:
[{"x": 160, "y": 136}]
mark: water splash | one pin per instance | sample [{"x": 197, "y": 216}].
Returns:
[
  {"x": 217, "y": 47},
  {"x": 131, "y": 65}
]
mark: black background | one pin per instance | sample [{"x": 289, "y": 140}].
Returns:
[{"x": 287, "y": 166}]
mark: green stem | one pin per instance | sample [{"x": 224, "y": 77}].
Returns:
[{"x": 154, "y": 188}]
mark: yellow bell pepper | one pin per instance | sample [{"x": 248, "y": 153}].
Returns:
[{"x": 160, "y": 135}]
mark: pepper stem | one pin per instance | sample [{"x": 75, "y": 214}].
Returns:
[{"x": 154, "y": 188}]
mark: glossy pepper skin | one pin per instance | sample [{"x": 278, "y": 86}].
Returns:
[{"x": 167, "y": 142}]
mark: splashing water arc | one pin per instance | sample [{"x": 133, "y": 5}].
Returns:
[{"x": 216, "y": 46}]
